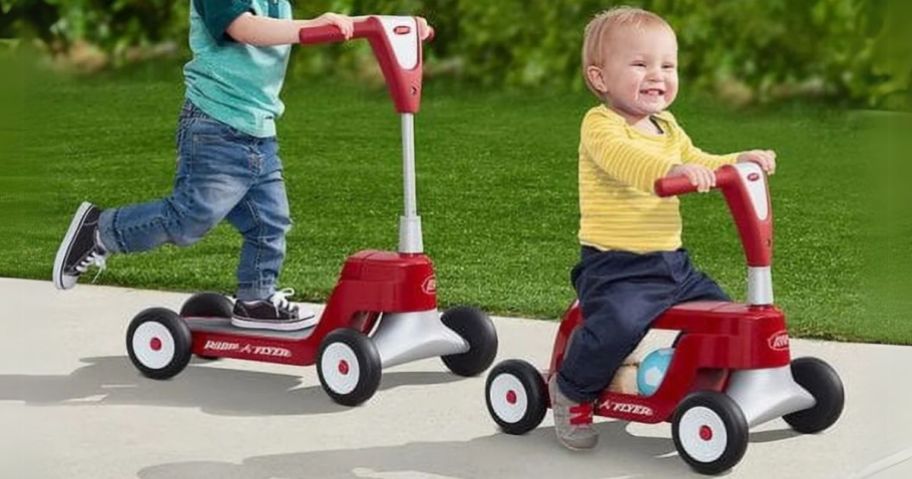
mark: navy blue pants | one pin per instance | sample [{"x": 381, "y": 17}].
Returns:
[{"x": 621, "y": 294}]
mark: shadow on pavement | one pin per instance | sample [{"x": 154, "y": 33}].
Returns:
[
  {"x": 501, "y": 456},
  {"x": 112, "y": 380},
  {"x": 537, "y": 454}
]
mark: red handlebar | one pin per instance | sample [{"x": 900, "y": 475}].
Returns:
[
  {"x": 748, "y": 201},
  {"x": 674, "y": 186},
  {"x": 332, "y": 34},
  {"x": 400, "y": 62},
  {"x": 680, "y": 185}
]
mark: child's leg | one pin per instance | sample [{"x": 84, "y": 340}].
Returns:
[
  {"x": 214, "y": 173},
  {"x": 262, "y": 217},
  {"x": 620, "y": 295}
]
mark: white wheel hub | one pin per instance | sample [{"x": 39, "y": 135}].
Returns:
[
  {"x": 153, "y": 345},
  {"x": 340, "y": 368},
  {"x": 702, "y": 434},
  {"x": 508, "y": 397}
]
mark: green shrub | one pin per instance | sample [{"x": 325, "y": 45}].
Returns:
[{"x": 747, "y": 50}]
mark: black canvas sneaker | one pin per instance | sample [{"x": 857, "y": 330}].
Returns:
[
  {"x": 274, "y": 313},
  {"x": 80, "y": 248}
]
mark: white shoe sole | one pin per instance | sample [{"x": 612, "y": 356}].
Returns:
[
  {"x": 65, "y": 245},
  {"x": 274, "y": 325}
]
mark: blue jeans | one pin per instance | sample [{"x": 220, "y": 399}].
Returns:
[
  {"x": 620, "y": 295},
  {"x": 222, "y": 173}
]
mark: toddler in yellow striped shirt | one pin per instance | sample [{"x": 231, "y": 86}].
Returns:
[{"x": 632, "y": 267}]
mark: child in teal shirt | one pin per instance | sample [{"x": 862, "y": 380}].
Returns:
[{"x": 228, "y": 166}]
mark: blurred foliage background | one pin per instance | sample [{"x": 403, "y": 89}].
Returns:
[{"x": 851, "y": 52}]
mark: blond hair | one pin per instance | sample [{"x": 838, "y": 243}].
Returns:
[{"x": 600, "y": 28}]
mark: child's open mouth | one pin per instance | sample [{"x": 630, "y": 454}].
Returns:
[{"x": 653, "y": 92}]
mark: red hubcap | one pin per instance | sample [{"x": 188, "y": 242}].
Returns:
[
  {"x": 155, "y": 344},
  {"x": 343, "y": 367},
  {"x": 511, "y": 397},
  {"x": 706, "y": 433}
]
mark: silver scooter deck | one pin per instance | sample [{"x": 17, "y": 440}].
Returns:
[{"x": 224, "y": 326}]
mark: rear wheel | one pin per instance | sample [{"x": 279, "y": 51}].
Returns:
[
  {"x": 709, "y": 432},
  {"x": 476, "y": 328},
  {"x": 159, "y": 343},
  {"x": 822, "y": 382},
  {"x": 207, "y": 305},
  {"x": 516, "y": 396}
]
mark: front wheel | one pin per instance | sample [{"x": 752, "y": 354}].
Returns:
[
  {"x": 516, "y": 396},
  {"x": 709, "y": 432},
  {"x": 476, "y": 328},
  {"x": 349, "y": 367},
  {"x": 159, "y": 343},
  {"x": 822, "y": 382}
]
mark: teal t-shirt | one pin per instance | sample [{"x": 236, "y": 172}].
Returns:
[{"x": 235, "y": 83}]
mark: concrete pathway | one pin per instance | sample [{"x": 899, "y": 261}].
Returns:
[{"x": 73, "y": 406}]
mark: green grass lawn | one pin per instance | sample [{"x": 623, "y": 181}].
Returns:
[{"x": 496, "y": 188}]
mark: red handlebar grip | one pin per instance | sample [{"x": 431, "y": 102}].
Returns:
[
  {"x": 677, "y": 185},
  {"x": 322, "y": 34},
  {"x": 331, "y": 33}
]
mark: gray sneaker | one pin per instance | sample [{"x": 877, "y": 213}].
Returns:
[{"x": 572, "y": 420}]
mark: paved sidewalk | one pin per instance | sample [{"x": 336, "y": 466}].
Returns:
[{"x": 72, "y": 406}]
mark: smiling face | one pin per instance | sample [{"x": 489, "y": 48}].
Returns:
[{"x": 639, "y": 75}]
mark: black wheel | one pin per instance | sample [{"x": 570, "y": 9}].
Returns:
[
  {"x": 821, "y": 380},
  {"x": 207, "y": 305},
  {"x": 709, "y": 432},
  {"x": 159, "y": 343},
  {"x": 517, "y": 396},
  {"x": 476, "y": 328},
  {"x": 349, "y": 367}
]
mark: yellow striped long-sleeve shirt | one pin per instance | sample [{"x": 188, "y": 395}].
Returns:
[{"x": 618, "y": 166}]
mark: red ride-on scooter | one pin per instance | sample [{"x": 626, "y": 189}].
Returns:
[
  {"x": 731, "y": 368},
  {"x": 383, "y": 310}
]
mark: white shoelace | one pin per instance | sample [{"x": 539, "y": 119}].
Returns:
[
  {"x": 279, "y": 299},
  {"x": 98, "y": 259}
]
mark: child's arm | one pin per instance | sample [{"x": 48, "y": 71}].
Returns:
[
  {"x": 690, "y": 154},
  {"x": 765, "y": 158},
  {"x": 264, "y": 31},
  {"x": 700, "y": 166}
]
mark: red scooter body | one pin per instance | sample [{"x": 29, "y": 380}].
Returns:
[
  {"x": 717, "y": 337},
  {"x": 383, "y": 310},
  {"x": 731, "y": 368},
  {"x": 371, "y": 283}
]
